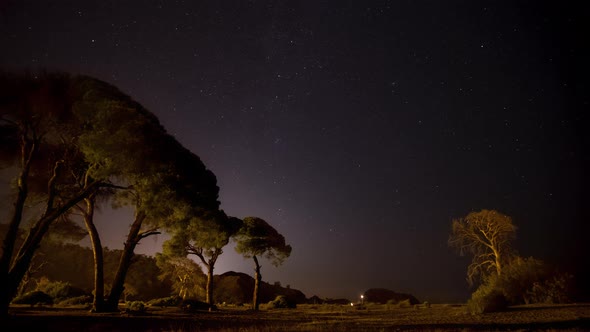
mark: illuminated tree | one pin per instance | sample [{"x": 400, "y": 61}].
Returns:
[
  {"x": 203, "y": 236},
  {"x": 488, "y": 236},
  {"x": 184, "y": 273},
  {"x": 256, "y": 238},
  {"x": 152, "y": 165}
]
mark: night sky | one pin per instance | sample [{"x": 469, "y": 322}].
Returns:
[{"x": 359, "y": 129}]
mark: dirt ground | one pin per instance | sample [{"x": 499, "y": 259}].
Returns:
[{"x": 438, "y": 317}]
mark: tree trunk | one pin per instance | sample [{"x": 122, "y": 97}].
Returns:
[
  {"x": 210, "y": 286},
  {"x": 23, "y": 258},
  {"x": 27, "y": 153},
  {"x": 98, "y": 302},
  {"x": 117, "y": 286},
  {"x": 23, "y": 283},
  {"x": 257, "y": 279},
  {"x": 498, "y": 261}
]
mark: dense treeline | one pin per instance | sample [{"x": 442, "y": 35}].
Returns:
[
  {"x": 77, "y": 143},
  {"x": 71, "y": 263}
]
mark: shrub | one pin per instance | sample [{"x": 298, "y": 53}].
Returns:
[
  {"x": 170, "y": 301},
  {"x": 60, "y": 290},
  {"x": 554, "y": 290},
  {"x": 192, "y": 305},
  {"x": 404, "y": 303},
  {"x": 281, "y": 301},
  {"x": 487, "y": 298},
  {"x": 84, "y": 299},
  {"x": 34, "y": 297},
  {"x": 135, "y": 307},
  {"x": 518, "y": 277}
]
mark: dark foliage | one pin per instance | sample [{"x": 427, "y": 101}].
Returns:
[
  {"x": 73, "y": 264},
  {"x": 33, "y": 298},
  {"x": 191, "y": 305},
  {"x": 486, "y": 300},
  {"x": 60, "y": 291},
  {"x": 84, "y": 299},
  {"x": 236, "y": 288},
  {"x": 282, "y": 302},
  {"x": 337, "y": 301},
  {"x": 170, "y": 301}
]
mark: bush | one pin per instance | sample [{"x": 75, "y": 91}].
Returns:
[
  {"x": 404, "y": 303},
  {"x": 192, "y": 305},
  {"x": 170, "y": 301},
  {"x": 555, "y": 290},
  {"x": 528, "y": 280},
  {"x": 518, "y": 277},
  {"x": 281, "y": 301},
  {"x": 135, "y": 307},
  {"x": 84, "y": 299},
  {"x": 33, "y": 298},
  {"x": 487, "y": 298},
  {"x": 60, "y": 290}
]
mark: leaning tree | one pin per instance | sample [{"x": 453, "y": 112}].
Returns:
[
  {"x": 256, "y": 238},
  {"x": 152, "y": 166},
  {"x": 488, "y": 236},
  {"x": 70, "y": 136},
  {"x": 36, "y": 122}
]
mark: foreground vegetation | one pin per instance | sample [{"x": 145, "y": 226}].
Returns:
[{"x": 372, "y": 317}]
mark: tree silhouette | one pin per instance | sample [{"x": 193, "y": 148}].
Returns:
[
  {"x": 256, "y": 238},
  {"x": 71, "y": 136},
  {"x": 36, "y": 120}
]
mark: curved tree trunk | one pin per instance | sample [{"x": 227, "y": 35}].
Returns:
[
  {"x": 98, "y": 302},
  {"x": 22, "y": 261},
  {"x": 27, "y": 152},
  {"x": 117, "y": 286},
  {"x": 257, "y": 279}
]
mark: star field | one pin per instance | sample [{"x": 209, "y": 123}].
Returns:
[{"x": 359, "y": 130}]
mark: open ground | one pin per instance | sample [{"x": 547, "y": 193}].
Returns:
[{"x": 373, "y": 317}]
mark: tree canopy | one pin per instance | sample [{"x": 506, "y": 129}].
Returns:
[
  {"x": 69, "y": 136},
  {"x": 257, "y": 238},
  {"x": 488, "y": 236}
]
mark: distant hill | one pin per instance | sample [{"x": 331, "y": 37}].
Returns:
[
  {"x": 382, "y": 295},
  {"x": 237, "y": 288}
]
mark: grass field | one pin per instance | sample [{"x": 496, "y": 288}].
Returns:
[{"x": 438, "y": 317}]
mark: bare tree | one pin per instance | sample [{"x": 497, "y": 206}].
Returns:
[{"x": 488, "y": 236}]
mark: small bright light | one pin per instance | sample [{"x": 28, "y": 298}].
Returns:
[
  {"x": 351, "y": 304},
  {"x": 362, "y": 296}
]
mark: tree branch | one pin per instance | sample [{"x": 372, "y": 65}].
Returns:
[{"x": 147, "y": 233}]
